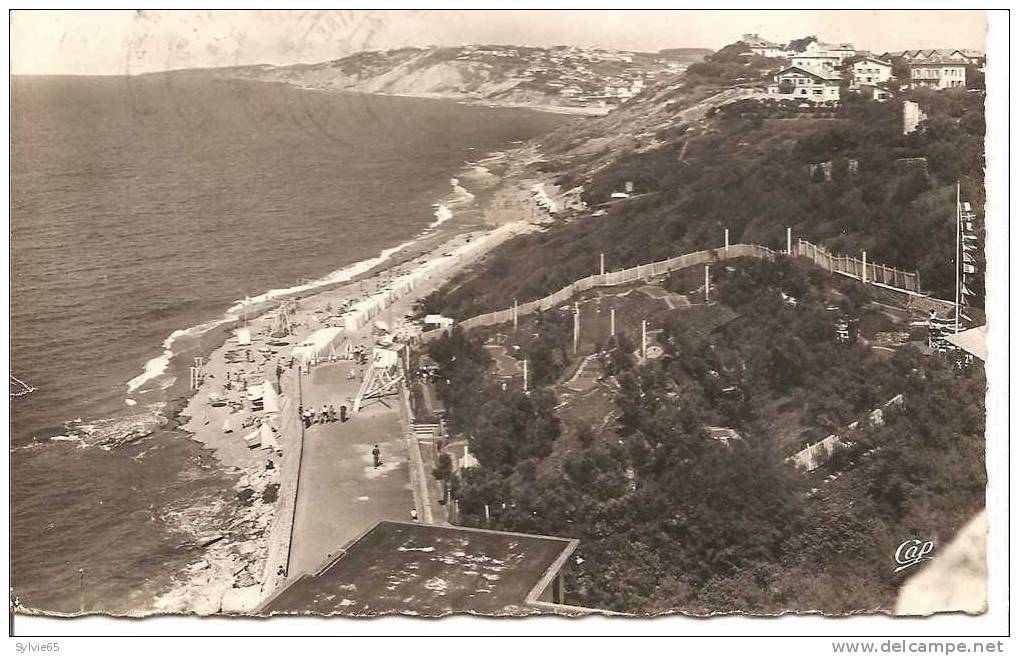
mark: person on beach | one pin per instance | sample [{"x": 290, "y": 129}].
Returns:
[
  {"x": 332, "y": 413},
  {"x": 377, "y": 456},
  {"x": 324, "y": 414}
]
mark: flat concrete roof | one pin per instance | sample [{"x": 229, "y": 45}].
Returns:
[{"x": 420, "y": 569}]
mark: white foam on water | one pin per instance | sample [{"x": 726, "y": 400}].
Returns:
[
  {"x": 77, "y": 439},
  {"x": 340, "y": 275},
  {"x": 153, "y": 368},
  {"x": 442, "y": 214}
]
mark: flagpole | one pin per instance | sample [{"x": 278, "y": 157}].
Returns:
[{"x": 958, "y": 248}]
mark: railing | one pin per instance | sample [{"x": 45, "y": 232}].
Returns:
[
  {"x": 868, "y": 272},
  {"x": 861, "y": 269},
  {"x": 633, "y": 274}
]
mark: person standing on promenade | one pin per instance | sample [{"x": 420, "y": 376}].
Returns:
[{"x": 377, "y": 456}]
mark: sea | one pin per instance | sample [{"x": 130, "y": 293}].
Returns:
[{"x": 144, "y": 211}]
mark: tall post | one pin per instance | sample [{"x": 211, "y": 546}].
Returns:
[
  {"x": 576, "y": 326},
  {"x": 726, "y": 240},
  {"x": 863, "y": 274},
  {"x": 601, "y": 270},
  {"x": 788, "y": 240},
  {"x": 643, "y": 340},
  {"x": 525, "y": 375},
  {"x": 958, "y": 247},
  {"x": 81, "y": 590},
  {"x": 707, "y": 283},
  {"x": 514, "y": 314},
  {"x": 612, "y": 322}
]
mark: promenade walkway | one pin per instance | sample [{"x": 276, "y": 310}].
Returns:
[{"x": 341, "y": 493}]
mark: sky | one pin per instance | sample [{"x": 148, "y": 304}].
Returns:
[{"x": 132, "y": 42}]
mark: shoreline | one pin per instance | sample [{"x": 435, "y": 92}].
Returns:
[
  {"x": 234, "y": 572},
  {"x": 464, "y": 99}
]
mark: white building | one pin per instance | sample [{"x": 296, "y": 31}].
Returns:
[
  {"x": 806, "y": 84},
  {"x": 871, "y": 70},
  {"x": 763, "y": 47},
  {"x": 841, "y": 51},
  {"x": 816, "y": 61},
  {"x": 938, "y": 73}
]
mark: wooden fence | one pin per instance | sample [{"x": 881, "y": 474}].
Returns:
[
  {"x": 612, "y": 279},
  {"x": 907, "y": 282},
  {"x": 865, "y": 271}
]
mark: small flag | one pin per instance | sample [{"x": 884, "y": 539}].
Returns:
[
  {"x": 968, "y": 268},
  {"x": 967, "y": 290},
  {"x": 966, "y": 257}
]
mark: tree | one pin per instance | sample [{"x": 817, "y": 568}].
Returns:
[{"x": 800, "y": 45}]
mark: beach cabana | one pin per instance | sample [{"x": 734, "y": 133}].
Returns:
[
  {"x": 319, "y": 344},
  {"x": 270, "y": 399},
  {"x": 267, "y": 438},
  {"x": 253, "y": 439}
]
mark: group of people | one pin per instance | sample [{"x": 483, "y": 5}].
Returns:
[{"x": 326, "y": 415}]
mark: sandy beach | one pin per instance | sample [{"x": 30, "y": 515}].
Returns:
[{"x": 245, "y": 385}]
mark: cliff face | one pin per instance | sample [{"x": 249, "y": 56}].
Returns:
[{"x": 569, "y": 78}]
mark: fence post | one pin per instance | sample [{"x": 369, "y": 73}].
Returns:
[{"x": 863, "y": 277}]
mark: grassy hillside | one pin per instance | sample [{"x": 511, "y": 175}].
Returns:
[{"x": 747, "y": 166}]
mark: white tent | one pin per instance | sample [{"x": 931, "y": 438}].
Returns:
[
  {"x": 267, "y": 437},
  {"x": 318, "y": 344},
  {"x": 256, "y": 392},
  {"x": 244, "y": 336},
  {"x": 270, "y": 400},
  {"x": 253, "y": 439}
]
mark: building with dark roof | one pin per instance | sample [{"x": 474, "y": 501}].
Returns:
[{"x": 420, "y": 569}]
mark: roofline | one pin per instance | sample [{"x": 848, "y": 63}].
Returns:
[
  {"x": 570, "y": 546},
  {"x": 930, "y": 62},
  {"x": 875, "y": 59},
  {"x": 809, "y": 72},
  {"x": 552, "y": 570}
]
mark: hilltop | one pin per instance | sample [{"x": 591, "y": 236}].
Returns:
[
  {"x": 586, "y": 80},
  {"x": 706, "y": 150}
]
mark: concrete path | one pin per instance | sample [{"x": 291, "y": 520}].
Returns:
[{"x": 341, "y": 493}]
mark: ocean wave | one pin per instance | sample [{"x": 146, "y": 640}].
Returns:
[
  {"x": 153, "y": 368},
  {"x": 442, "y": 214}
]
